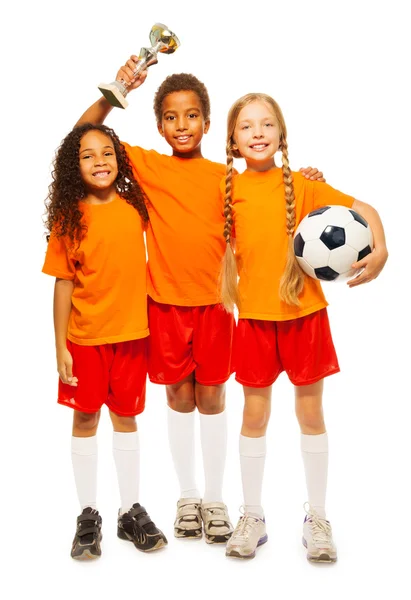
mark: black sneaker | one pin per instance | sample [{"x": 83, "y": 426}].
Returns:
[
  {"x": 86, "y": 543},
  {"x": 137, "y": 527}
]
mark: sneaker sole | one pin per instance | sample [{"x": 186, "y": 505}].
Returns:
[
  {"x": 161, "y": 543},
  {"x": 322, "y": 558},
  {"x": 188, "y": 534},
  {"x": 86, "y": 555},
  {"x": 235, "y": 554},
  {"x": 217, "y": 539}
]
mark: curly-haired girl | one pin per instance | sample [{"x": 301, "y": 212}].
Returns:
[{"x": 96, "y": 214}]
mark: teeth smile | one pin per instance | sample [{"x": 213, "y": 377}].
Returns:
[
  {"x": 183, "y": 138},
  {"x": 259, "y": 146},
  {"x": 101, "y": 174}
]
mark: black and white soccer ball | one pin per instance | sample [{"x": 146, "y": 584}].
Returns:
[{"x": 329, "y": 240}]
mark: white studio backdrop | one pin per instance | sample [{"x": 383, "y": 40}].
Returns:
[{"x": 339, "y": 71}]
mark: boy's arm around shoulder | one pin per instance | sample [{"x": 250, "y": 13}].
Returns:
[{"x": 373, "y": 263}]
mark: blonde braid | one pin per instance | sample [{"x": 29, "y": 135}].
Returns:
[
  {"x": 228, "y": 209},
  {"x": 292, "y": 280},
  {"x": 229, "y": 273}
]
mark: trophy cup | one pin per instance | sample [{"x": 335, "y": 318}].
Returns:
[{"x": 162, "y": 40}]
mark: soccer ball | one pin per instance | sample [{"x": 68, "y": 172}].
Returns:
[{"x": 329, "y": 240}]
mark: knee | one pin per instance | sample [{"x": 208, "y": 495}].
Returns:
[
  {"x": 123, "y": 424},
  {"x": 85, "y": 422},
  {"x": 255, "y": 420},
  {"x": 210, "y": 400},
  {"x": 311, "y": 421},
  {"x": 180, "y": 400}
]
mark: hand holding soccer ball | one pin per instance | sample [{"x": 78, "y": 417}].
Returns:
[{"x": 329, "y": 240}]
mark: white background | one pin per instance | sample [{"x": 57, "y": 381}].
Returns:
[{"x": 339, "y": 70}]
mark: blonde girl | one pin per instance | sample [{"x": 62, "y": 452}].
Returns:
[{"x": 283, "y": 323}]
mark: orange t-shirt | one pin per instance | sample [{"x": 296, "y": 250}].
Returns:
[
  {"x": 259, "y": 210},
  {"x": 109, "y": 301},
  {"x": 185, "y": 242}
]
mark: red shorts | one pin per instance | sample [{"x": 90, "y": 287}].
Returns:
[
  {"x": 303, "y": 348},
  {"x": 111, "y": 374},
  {"x": 184, "y": 339}
]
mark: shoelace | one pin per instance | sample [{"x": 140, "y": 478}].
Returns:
[
  {"x": 244, "y": 526},
  {"x": 320, "y": 528}
]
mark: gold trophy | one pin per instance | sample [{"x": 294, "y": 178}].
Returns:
[{"x": 162, "y": 40}]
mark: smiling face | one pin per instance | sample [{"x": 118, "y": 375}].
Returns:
[
  {"x": 183, "y": 124},
  {"x": 98, "y": 162},
  {"x": 257, "y": 135}
]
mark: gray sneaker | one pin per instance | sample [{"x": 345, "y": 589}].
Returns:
[
  {"x": 188, "y": 519},
  {"x": 317, "y": 538},
  {"x": 217, "y": 526},
  {"x": 248, "y": 535}
]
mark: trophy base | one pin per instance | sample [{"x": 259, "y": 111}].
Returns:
[{"x": 113, "y": 95}]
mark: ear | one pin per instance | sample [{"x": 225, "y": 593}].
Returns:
[
  {"x": 206, "y": 126},
  {"x": 160, "y": 129}
]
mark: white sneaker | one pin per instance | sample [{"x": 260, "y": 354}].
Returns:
[
  {"x": 217, "y": 525},
  {"x": 317, "y": 537},
  {"x": 248, "y": 535},
  {"x": 188, "y": 519}
]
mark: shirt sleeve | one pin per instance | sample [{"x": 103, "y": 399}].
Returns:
[
  {"x": 145, "y": 163},
  {"x": 58, "y": 263},
  {"x": 324, "y": 194}
]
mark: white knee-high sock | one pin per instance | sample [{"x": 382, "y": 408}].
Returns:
[
  {"x": 314, "y": 450},
  {"x": 126, "y": 452},
  {"x": 84, "y": 459},
  {"x": 213, "y": 430},
  {"x": 181, "y": 428},
  {"x": 252, "y": 460}
]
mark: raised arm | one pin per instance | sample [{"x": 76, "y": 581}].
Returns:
[
  {"x": 97, "y": 112},
  {"x": 63, "y": 291},
  {"x": 373, "y": 263}
]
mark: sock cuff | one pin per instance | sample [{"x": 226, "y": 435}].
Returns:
[
  {"x": 222, "y": 416},
  {"x": 180, "y": 416},
  {"x": 128, "y": 440},
  {"x": 253, "y": 447},
  {"x": 84, "y": 445},
  {"x": 314, "y": 444}
]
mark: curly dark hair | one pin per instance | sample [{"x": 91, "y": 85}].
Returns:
[
  {"x": 63, "y": 214},
  {"x": 180, "y": 82}
]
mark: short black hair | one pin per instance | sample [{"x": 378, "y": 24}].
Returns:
[{"x": 180, "y": 82}]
